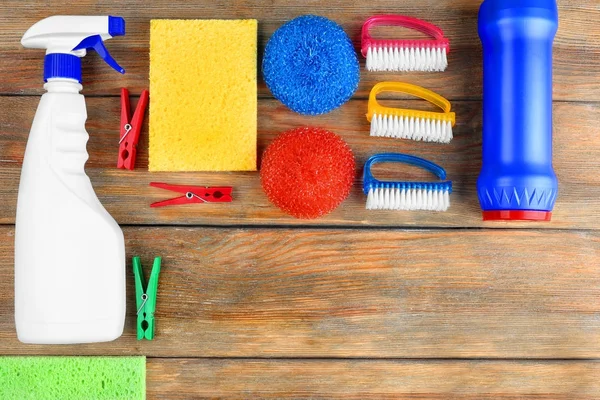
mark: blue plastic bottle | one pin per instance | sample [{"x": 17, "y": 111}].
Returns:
[{"x": 517, "y": 181}]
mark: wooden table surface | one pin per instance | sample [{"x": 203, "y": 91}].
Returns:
[{"x": 255, "y": 304}]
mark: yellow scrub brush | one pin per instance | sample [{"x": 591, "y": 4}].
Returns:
[{"x": 426, "y": 126}]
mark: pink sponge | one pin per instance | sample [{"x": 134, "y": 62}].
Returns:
[{"x": 307, "y": 172}]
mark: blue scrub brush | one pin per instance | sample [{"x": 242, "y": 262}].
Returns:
[
  {"x": 310, "y": 65},
  {"x": 408, "y": 196}
]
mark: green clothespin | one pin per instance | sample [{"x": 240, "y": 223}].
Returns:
[{"x": 145, "y": 298}]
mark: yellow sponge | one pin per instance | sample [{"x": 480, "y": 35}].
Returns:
[{"x": 203, "y": 95}]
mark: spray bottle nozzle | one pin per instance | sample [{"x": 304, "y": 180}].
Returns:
[
  {"x": 66, "y": 38},
  {"x": 116, "y": 26}
]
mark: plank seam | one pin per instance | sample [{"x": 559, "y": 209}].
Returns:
[
  {"x": 356, "y": 98},
  {"x": 355, "y": 228},
  {"x": 362, "y": 359}
]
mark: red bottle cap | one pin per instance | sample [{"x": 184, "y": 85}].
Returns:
[{"x": 517, "y": 215}]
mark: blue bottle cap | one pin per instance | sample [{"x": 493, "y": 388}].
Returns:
[{"x": 60, "y": 65}]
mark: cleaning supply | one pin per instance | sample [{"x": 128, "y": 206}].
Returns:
[
  {"x": 60, "y": 378},
  {"x": 403, "y": 195},
  {"x": 400, "y": 123},
  {"x": 145, "y": 298},
  {"x": 69, "y": 252},
  {"x": 517, "y": 181},
  {"x": 204, "y": 102},
  {"x": 130, "y": 129},
  {"x": 193, "y": 194},
  {"x": 307, "y": 172},
  {"x": 310, "y": 65},
  {"x": 405, "y": 55}
]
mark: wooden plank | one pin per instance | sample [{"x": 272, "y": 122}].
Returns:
[
  {"x": 368, "y": 379},
  {"x": 127, "y": 195},
  {"x": 355, "y": 293},
  {"x": 577, "y": 59}
]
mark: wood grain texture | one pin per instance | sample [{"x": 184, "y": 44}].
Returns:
[
  {"x": 577, "y": 50},
  {"x": 127, "y": 195},
  {"x": 355, "y": 293},
  {"x": 361, "y": 379},
  {"x": 353, "y": 307}
]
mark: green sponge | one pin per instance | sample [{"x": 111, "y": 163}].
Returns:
[{"x": 72, "y": 378}]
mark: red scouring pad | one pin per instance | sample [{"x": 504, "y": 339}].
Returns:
[{"x": 307, "y": 172}]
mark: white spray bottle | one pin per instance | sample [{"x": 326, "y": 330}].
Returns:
[{"x": 69, "y": 252}]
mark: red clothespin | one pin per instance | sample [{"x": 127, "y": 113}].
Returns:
[
  {"x": 194, "y": 194},
  {"x": 130, "y": 129}
]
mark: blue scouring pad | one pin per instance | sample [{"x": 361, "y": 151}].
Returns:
[{"x": 310, "y": 65}]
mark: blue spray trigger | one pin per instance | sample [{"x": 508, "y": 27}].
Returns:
[{"x": 95, "y": 42}]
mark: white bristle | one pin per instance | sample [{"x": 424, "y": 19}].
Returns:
[
  {"x": 408, "y": 199},
  {"x": 426, "y": 130},
  {"x": 402, "y": 59}
]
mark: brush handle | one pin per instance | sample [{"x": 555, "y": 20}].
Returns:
[
  {"x": 370, "y": 181},
  {"x": 407, "y": 88},
  {"x": 439, "y": 41},
  {"x": 404, "y": 21}
]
